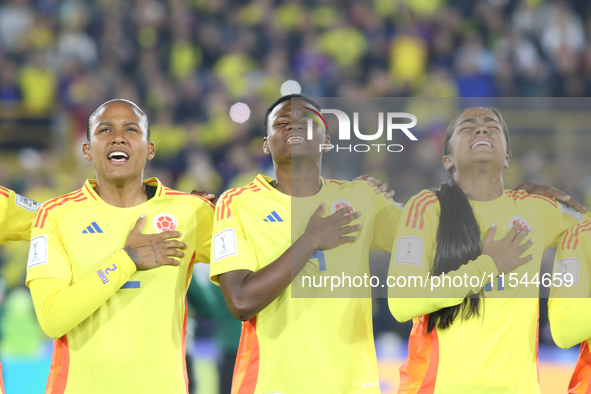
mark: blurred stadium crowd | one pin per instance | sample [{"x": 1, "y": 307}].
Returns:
[{"x": 186, "y": 62}]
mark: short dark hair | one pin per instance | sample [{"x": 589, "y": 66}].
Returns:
[
  {"x": 138, "y": 111},
  {"x": 284, "y": 99}
]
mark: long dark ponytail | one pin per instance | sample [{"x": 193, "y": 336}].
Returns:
[{"x": 458, "y": 236}]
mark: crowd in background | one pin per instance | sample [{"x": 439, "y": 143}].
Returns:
[{"x": 186, "y": 62}]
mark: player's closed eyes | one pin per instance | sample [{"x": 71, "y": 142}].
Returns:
[{"x": 470, "y": 128}]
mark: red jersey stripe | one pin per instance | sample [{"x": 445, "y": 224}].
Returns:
[
  {"x": 185, "y": 346},
  {"x": 237, "y": 192},
  {"x": 49, "y": 208},
  {"x": 45, "y": 205},
  {"x": 581, "y": 229},
  {"x": 89, "y": 192},
  {"x": 60, "y": 363},
  {"x": 428, "y": 386},
  {"x": 264, "y": 183},
  {"x": 412, "y": 206},
  {"x": 423, "y": 211},
  {"x": 427, "y": 197},
  {"x": 177, "y": 193},
  {"x": 579, "y": 383},
  {"x": 4, "y": 194},
  {"x": 522, "y": 195},
  {"x": 571, "y": 234},
  {"x": 246, "y": 370},
  {"x": 419, "y": 373}
]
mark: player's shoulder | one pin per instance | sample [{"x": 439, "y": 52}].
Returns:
[
  {"x": 427, "y": 198},
  {"x": 5, "y": 197},
  {"x": 5, "y": 193},
  {"x": 191, "y": 199},
  {"x": 521, "y": 197},
  {"x": 231, "y": 200},
  {"x": 421, "y": 206},
  {"x": 577, "y": 235},
  {"x": 337, "y": 183},
  {"x": 59, "y": 206}
]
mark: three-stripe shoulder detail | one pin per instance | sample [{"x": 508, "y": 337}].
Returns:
[
  {"x": 416, "y": 214},
  {"x": 172, "y": 192},
  {"x": 522, "y": 195},
  {"x": 571, "y": 236},
  {"x": 225, "y": 207},
  {"x": 42, "y": 213}
]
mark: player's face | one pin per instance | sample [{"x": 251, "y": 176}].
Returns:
[
  {"x": 119, "y": 144},
  {"x": 477, "y": 138},
  {"x": 288, "y": 133}
]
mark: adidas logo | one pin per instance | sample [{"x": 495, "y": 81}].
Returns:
[
  {"x": 273, "y": 217},
  {"x": 93, "y": 228}
]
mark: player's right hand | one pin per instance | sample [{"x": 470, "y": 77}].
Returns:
[
  {"x": 153, "y": 250},
  {"x": 506, "y": 252},
  {"x": 329, "y": 232}
]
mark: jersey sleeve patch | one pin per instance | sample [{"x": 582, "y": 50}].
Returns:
[
  {"x": 26, "y": 203},
  {"x": 569, "y": 266},
  {"x": 37, "y": 251},
  {"x": 571, "y": 212},
  {"x": 409, "y": 251},
  {"x": 224, "y": 244}
]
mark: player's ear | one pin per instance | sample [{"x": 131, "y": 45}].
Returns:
[
  {"x": 151, "y": 151},
  {"x": 326, "y": 142},
  {"x": 447, "y": 162},
  {"x": 506, "y": 164},
  {"x": 86, "y": 151},
  {"x": 266, "y": 146}
]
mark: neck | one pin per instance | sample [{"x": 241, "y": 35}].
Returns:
[
  {"x": 480, "y": 184},
  {"x": 298, "y": 178},
  {"x": 124, "y": 194}
]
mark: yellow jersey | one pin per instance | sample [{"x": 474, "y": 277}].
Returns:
[
  {"x": 495, "y": 352},
  {"x": 16, "y": 215},
  {"x": 303, "y": 345},
  {"x": 569, "y": 306},
  {"x": 135, "y": 341}
]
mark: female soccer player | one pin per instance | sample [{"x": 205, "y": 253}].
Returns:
[
  {"x": 569, "y": 307},
  {"x": 470, "y": 245},
  {"x": 109, "y": 287}
]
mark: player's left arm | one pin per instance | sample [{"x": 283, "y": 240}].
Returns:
[
  {"x": 552, "y": 192},
  {"x": 569, "y": 306}
]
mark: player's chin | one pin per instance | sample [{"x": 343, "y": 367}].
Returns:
[
  {"x": 304, "y": 150},
  {"x": 120, "y": 174}
]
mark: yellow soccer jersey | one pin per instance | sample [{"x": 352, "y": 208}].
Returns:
[
  {"x": 569, "y": 306},
  {"x": 497, "y": 351},
  {"x": 16, "y": 215},
  {"x": 302, "y": 345},
  {"x": 135, "y": 341}
]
